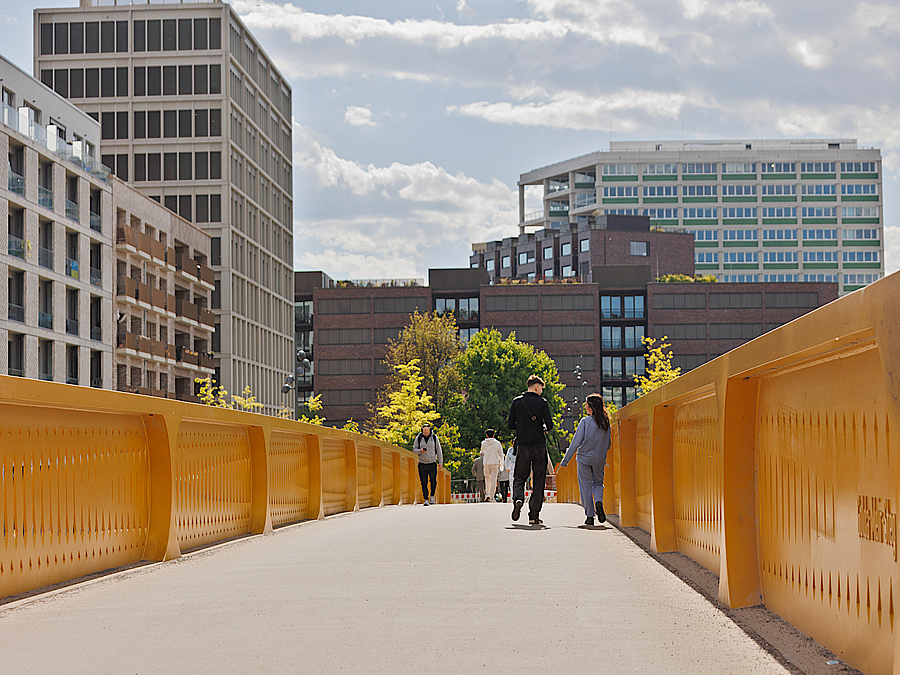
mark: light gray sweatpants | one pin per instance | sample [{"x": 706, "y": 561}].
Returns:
[{"x": 590, "y": 484}]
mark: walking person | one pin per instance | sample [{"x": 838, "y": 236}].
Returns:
[
  {"x": 529, "y": 417},
  {"x": 503, "y": 482},
  {"x": 591, "y": 441},
  {"x": 492, "y": 454},
  {"x": 431, "y": 456},
  {"x": 478, "y": 472},
  {"x": 509, "y": 465}
]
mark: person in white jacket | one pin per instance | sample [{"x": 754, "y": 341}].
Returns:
[{"x": 492, "y": 452}]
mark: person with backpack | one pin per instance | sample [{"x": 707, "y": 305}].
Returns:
[
  {"x": 428, "y": 448},
  {"x": 529, "y": 417},
  {"x": 591, "y": 441}
]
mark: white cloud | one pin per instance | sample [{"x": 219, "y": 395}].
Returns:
[
  {"x": 891, "y": 249},
  {"x": 811, "y": 53},
  {"x": 359, "y": 117},
  {"x": 465, "y": 10},
  {"x": 577, "y": 110},
  {"x": 739, "y": 12}
]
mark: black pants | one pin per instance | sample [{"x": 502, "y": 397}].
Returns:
[
  {"x": 427, "y": 471},
  {"x": 531, "y": 459},
  {"x": 504, "y": 489}
]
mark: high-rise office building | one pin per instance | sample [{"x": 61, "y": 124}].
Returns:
[
  {"x": 194, "y": 114},
  {"x": 777, "y": 211}
]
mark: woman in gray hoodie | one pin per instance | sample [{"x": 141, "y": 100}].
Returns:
[
  {"x": 591, "y": 441},
  {"x": 428, "y": 448}
]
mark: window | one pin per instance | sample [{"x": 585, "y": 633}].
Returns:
[
  {"x": 809, "y": 235},
  {"x": 779, "y": 278},
  {"x": 566, "y": 333},
  {"x": 681, "y": 331},
  {"x": 778, "y": 167},
  {"x": 779, "y": 190},
  {"x": 738, "y": 278},
  {"x": 611, "y": 337},
  {"x": 660, "y": 169},
  {"x": 857, "y": 235},
  {"x": 859, "y": 167},
  {"x": 621, "y": 191},
  {"x": 738, "y": 190},
  {"x": 859, "y": 211},
  {"x": 620, "y": 169},
  {"x": 565, "y": 249},
  {"x": 526, "y": 257},
  {"x": 567, "y": 302},
  {"x": 92, "y": 37},
  {"x": 186, "y": 80},
  {"x": 860, "y": 279},
  {"x": 584, "y": 245},
  {"x": 582, "y": 177},
  {"x": 700, "y": 168},
  {"x": 634, "y": 336},
  {"x": 732, "y": 168},
  {"x": 821, "y": 278},
  {"x": 735, "y": 331},
  {"x": 662, "y": 214},
  {"x": 779, "y": 212},
  {"x": 557, "y": 185},
  {"x": 583, "y": 199},
  {"x": 735, "y": 300},
  {"x": 505, "y": 262},
  {"x": 346, "y": 396},
  {"x": 344, "y": 366},
  {"x": 201, "y": 34},
  {"x": 384, "y": 335},
  {"x": 559, "y": 206},
  {"x": 740, "y": 212},
  {"x": 399, "y": 305},
  {"x": 817, "y": 167},
  {"x": 345, "y": 336},
  {"x": 566, "y": 271},
  {"x": 345, "y": 306},
  {"x": 859, "y": 256},
  {"x": 154, "y": 81},
  {"x": 185, "y": 123},
  {"x": 548, "y": 253},
  {"x": 611, "y": 368},
  {"x": 634, "y": 306},
  {"x": 821, "y": 256},
  {"x": 511, "y": 303},
  {"x": 779, "y": 235},
  {"x": 738, "y": 257},
  {"x": 660, "y": 191},
  {"x": 611, "y": 306},
  {"x": 698, "y": 190},
  {"x": 489, "y": 265},
  {"x": 695, "y": 213},
  {"x": 706, "y": 258},
  {"x": 817, "y": 189},
  {"x": 819, "y": 212},
  {"x": 679, "y": 301},
  {"x": 859, "y": 189},
  {"x": 806, "y": 300},
  {"x": 780, "y": 257}
]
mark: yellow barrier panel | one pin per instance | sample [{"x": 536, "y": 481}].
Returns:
[
  {"x": 777, "y": 466},
  {"x": 92, "y": 479}
]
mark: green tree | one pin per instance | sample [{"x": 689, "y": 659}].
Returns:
[
  {"x": 434, "y": 342},
  {"x": 659, "y": 369},
  {"x": 407, "y": 408},
  {"x": 492, "y": 372}
]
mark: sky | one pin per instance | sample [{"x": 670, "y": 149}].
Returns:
[{"x": 413, "y": 120}]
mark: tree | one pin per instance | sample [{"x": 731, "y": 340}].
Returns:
[
  {"x": 659, "y": 366},
  {"x": 434, "y": 342},
  {"x": 492, "y": 372},
  {"x": 407, "y": 408},
  {"x": 313, "y": 406}
]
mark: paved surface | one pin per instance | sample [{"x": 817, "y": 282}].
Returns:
[{"x": 431, "y": 590}]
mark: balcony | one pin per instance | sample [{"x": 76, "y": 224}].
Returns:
[
  {"x": 16, "y": 247},
  {"x": 97, "y": 333},
  {"x": 72, "y": 326},
  {"x": 207, "y": 360},
  {"x": 158, "y": 298},
  {"x": 45, "y": 320},
  {"x": 45, "y": 257},
  {"x": 159, "y": 393},
  {"x": 73, "y": 211},
  {"x": 144, "y": 293},
  {"x": 72, "y": 268},
  {"x": 96, "y": 277},
  {"x": 195, "y": 269},
  {"x": 16, "y": 182},
  {"x": 207, "y": 317},
  {"x": 185, "y": 355},
  {"x": 127, "y": 235},
  {"x": 302, "y": 316},
  {"x": 16, "y": 312},
  {"x": 45, "y": 197},
  {"x": 187, "y": 310},
  {"x": 126, "y": 340},
  {"x": 126, "y": 286},
  {"x": 96, "y": 222},
  {"x": 144, "y": 344}
]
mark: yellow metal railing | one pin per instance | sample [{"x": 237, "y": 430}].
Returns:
[
  {"x": 91, "y": 479},
  {"x": 777, "y": 466}
]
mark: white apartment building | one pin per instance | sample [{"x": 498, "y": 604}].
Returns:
[
  {"x": 194, "y": 114},
  {"x": 56, "y": 217},
  {"x": 760, "y": 210}
]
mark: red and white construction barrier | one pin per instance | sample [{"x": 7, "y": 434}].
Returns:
[{"x": 471, "y": 497}]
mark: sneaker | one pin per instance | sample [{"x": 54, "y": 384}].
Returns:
[
  {"x": 535, "y": 521},
  {"x": 589, "y": 521},
  {"x": 426, "y": 503},
  {"x": 601, "y": 516},
  {"x": 517, "y": 509},
  {"x": 431, "y": 501}
]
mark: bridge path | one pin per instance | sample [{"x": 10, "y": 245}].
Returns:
[{"x": 430, "y": 590}]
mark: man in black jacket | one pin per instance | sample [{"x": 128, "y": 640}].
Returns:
[{"x": 529, "y": 416}]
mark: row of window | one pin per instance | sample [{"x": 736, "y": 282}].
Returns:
[
  {"x": 96, "y": 37},
  {"x": 744, "y": 168},
  {"x": 831, "y": 278},
  {"x": 749, "y": 300},
  {"x": 711, "y": 213},
  {"x": 731, "y": 190},
  {"x": 713, "y": 257},
  {"x": 855, "y": 234}
]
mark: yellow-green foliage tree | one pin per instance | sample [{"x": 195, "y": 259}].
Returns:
[
  {"x": 659, "y": 369},
  {"x": 246, "y": 402},
  {"x": 311, "y": 414},
  {"x": 407, "y": 408},
  {"x": 212, "y": 394}
]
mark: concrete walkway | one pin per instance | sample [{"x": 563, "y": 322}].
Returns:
[{"x": 424, "y": 590}]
